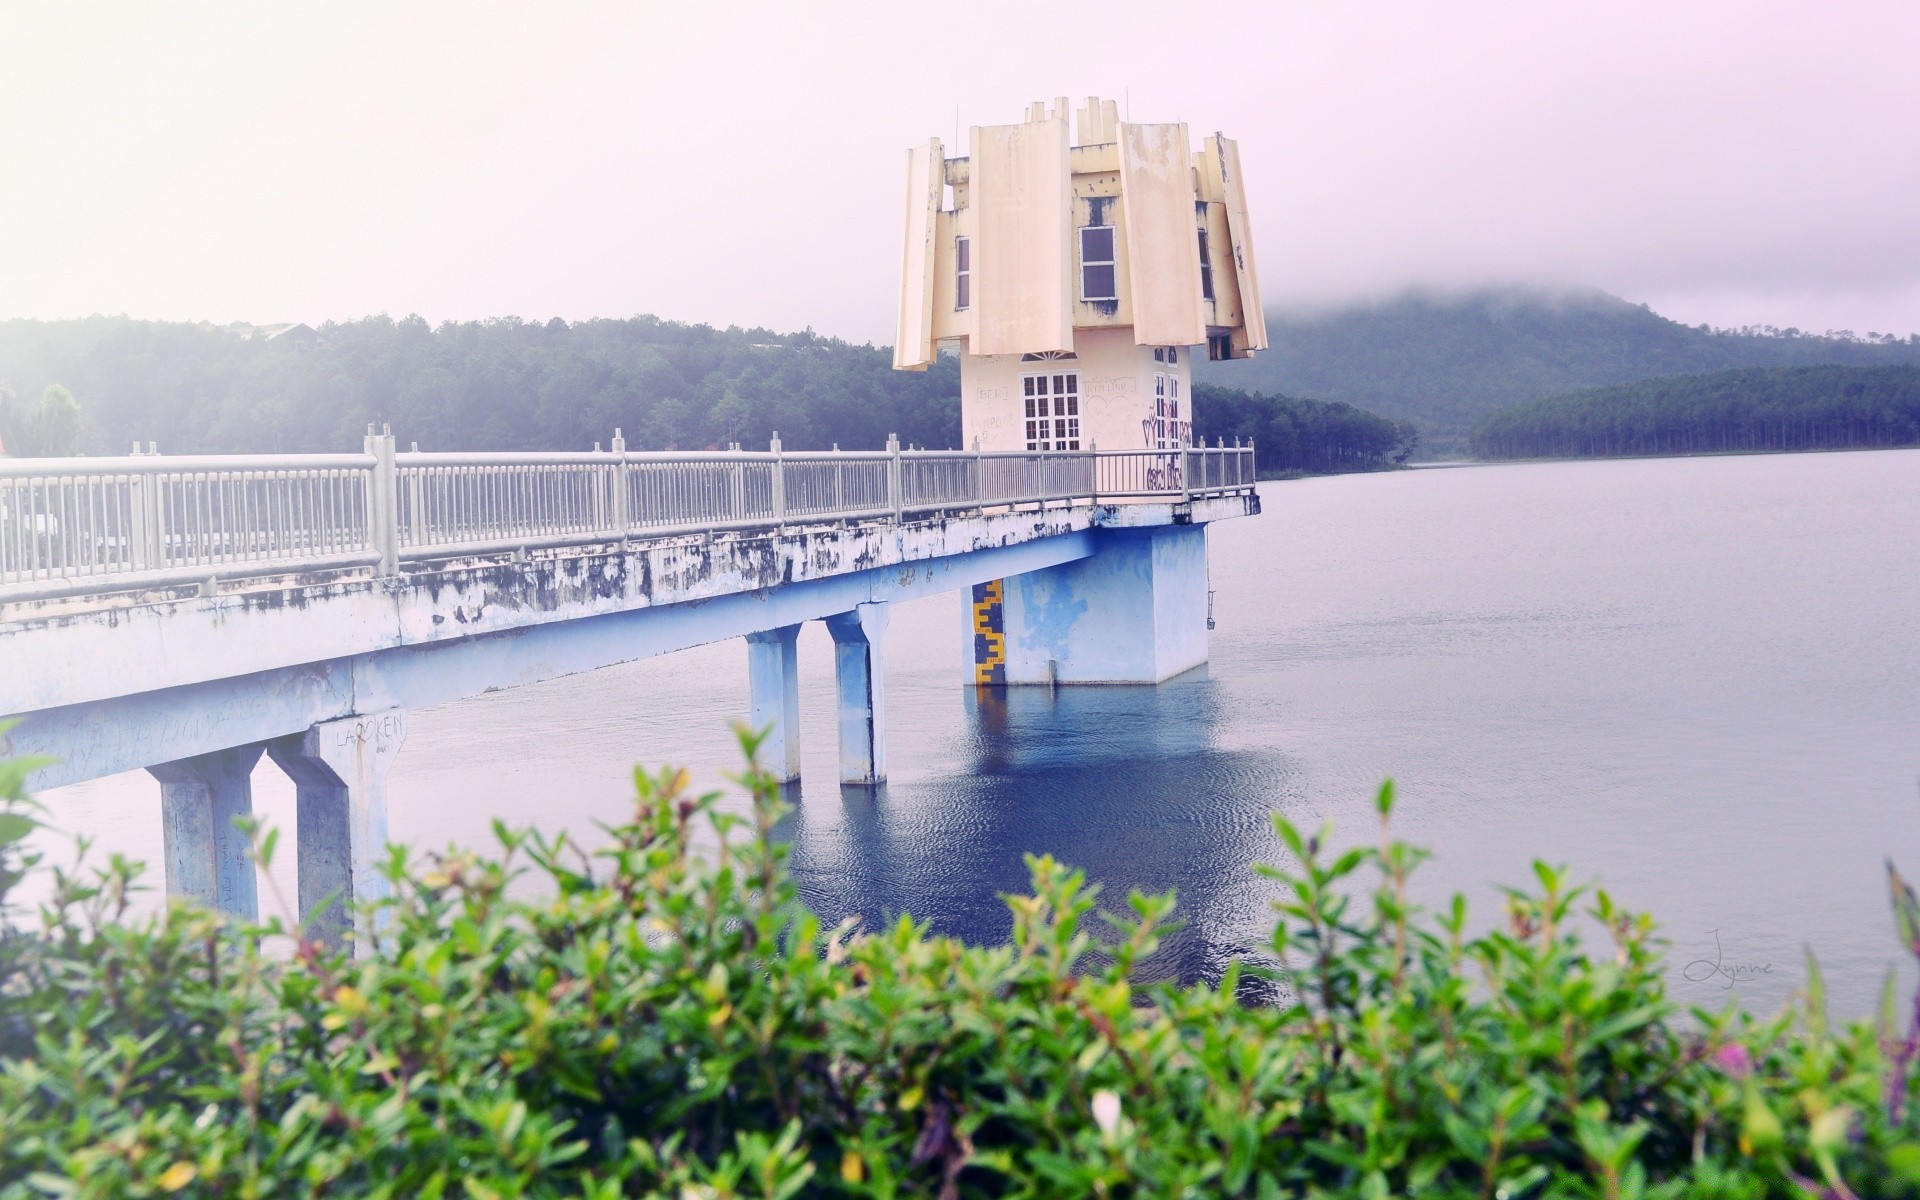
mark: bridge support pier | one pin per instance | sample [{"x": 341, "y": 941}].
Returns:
[
  {"x": 207, "y": 855},
  {"x": 1135, "y": 611},
  {"x": 339, "y": 771},
  {"x": 859, "y": 641},
  {"x": 773, "y": 698}
]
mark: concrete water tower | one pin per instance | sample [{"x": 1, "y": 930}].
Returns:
[{"x": 1077, "y": 274}]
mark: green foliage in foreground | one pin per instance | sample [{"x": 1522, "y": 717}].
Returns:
[
  {"x": 666, "y": 1021},
  {"x": 1783, "y": 408}
]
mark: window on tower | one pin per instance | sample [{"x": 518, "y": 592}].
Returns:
[
  {"x": 962, "y": 273},
  {"x": 1052, "y": 410},
  {"x": 1206, "y": 269},
  {"x": 1098, "y": 279}
]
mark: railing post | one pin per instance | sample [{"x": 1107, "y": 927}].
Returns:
[
  {"x": 1180, "y": 457},
  {"x": 893, "y": 475},
  {"x": 143, "y": 522},
  {"x": 1093, "y": 472},
  {"x": 779, "y": 484},
  {"x": 416, "y": 504},
  {"x": 383, "y": 509},
  {"x": 979, "y": 474},
  {"x": 619, "y": 445}
]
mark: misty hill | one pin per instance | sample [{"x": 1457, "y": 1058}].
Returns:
[
  {"x": 1446, "y": 360},
  {"x": 502, "y": 384},
  {"x": 1766, "y": 408}
]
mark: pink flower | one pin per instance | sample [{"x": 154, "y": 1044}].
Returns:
[{"x": 1734, "y": 1060}]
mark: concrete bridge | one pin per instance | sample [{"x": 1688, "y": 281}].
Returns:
[{"x": 187, "y": 616}]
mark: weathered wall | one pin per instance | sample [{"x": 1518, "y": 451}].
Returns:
[
  {"x": 1135, "y": 611},
  {"x": 1116, "y": 392},
  {"x": 80, "y": 656}
]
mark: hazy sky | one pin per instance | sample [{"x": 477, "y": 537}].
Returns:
[{"x": 1731, "y": 162}]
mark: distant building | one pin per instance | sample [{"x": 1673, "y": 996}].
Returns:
[
  {"x": 1077, "y": 276},
  {"x": 289, "y": 331}
]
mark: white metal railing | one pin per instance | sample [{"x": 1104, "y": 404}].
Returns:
[{"x": 77, "y": 525}]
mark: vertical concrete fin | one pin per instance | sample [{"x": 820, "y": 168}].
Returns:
[
  {"x": 1163, "y": 244},
  {"x": 1253, "y": 334},
  {"x": 926, "y": 182},
  {"x": 1022, "y": 200}
]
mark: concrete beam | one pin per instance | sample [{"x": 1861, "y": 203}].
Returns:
[
  {"x": 207, "y": 856},
  {"x": 859, "y": 671},
  {"x": 128, "y": 732},
  {"x": 773, "y": 698},
  {"x": 57, "y": 657}
]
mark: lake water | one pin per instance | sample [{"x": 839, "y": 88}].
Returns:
[{"x": 1697, "y": 681}]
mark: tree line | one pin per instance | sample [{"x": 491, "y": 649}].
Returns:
[
  {"x": 1780, "y": 408},
  {"x": 503, "y": 384},
  {"x": 1294, "y": 436}
]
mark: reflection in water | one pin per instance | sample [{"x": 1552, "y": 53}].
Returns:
[{"x": 1125, "y": 783}]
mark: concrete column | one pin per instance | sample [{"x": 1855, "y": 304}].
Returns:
[
  {"x": 1134, "y": 612},
  {"x": 859, "y": 640},
  {"x": 773, "y": 698},
  {"x": 206, "y": 853},
  {"x": 339, "y": 772}
]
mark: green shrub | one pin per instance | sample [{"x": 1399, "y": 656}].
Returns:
[{"x": 659, "y": 1019}]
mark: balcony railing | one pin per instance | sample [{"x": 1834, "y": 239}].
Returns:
[{"x": 74, "y": 526}]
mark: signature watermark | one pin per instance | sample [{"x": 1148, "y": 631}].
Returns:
[{"x": 1702, "y": 969}]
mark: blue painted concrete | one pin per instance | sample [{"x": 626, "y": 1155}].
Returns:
[
  {"x": 1135, "y": 611},
  {"x": 773, "y": 698},
  {"x": 859, "y": 671},
  {"x": 206, "y": 854},
  {"x": 339, "y": 771}
]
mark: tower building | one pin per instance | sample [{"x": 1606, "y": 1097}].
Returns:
[{"x": 1077, "y": 271}]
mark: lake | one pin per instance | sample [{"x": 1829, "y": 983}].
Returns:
[{"x": 1696, "y": 681}]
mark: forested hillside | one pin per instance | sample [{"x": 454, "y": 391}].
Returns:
[
  {"x": 1446, "y": 360},
  {"x": 1781, "y": 408},
  {"x": 492, "y": 385},
  {"x": 1302, "y": 437}
]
